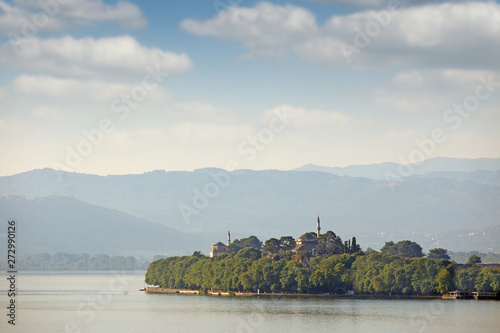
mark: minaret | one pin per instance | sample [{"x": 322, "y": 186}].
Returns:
[
  {"x": 228, "y": 238},
  {"x": 318, "y": 228}
]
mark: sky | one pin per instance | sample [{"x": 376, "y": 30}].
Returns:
[{"x": 107, "y": 87}]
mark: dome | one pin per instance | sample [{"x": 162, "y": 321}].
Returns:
[{"x": 307, "y": 237}]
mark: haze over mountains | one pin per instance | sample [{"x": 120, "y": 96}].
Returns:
[
  {"x": 62, "y": 224},
  {"x": 452, "y": 203},
  {"x": 454, "y": 168}
]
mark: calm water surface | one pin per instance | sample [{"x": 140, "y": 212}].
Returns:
[{"x": 96, "y": 302}]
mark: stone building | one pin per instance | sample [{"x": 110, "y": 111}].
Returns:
[
  {"x": 219, "y": 247},
  {"x": 308, "y": 241}
]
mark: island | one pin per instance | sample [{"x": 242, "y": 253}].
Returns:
[{"x": 320, "y": 264}]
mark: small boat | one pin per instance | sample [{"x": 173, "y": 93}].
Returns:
[
  {"x": 125, "y": 292},
  {"x": 142, "y": 289}
]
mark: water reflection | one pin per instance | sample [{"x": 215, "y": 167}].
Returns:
[{"x": 50, "y": 302}]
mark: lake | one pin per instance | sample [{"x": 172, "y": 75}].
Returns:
[{"x": 96, "y": 302}]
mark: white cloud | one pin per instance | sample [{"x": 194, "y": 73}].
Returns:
[
  {"x": 411, "y": 78},
  {"x": 204, "y": 133},
  {"x": 198, "y": 111},
  {"x": 473, "y": 143},
  {"x": 152, "y": 134},
  {"x": 233, "y": 130},
  {"x": 51, "y": 96},
  {"x": 447, "y": 35},
  {"x": 3, "y": 92},
  {"x": 19, "y": 21},
  {"x": 266, "y": 30},
  {"x": 55, "y": 87},
  {"x": 355, "y": 3},
  {"x": 458, "y": 80},
  {"x": 119, "y": 56},
  {"x": 384, "y": 3},
  {"x": 492, "y": 111},
  {"x": 408, "y": 102},
  {"x": 50, "y": 113},
  {"x": 431, "y": 90},
  {"x": 306, "y": 118},
  {"x": 32, "y": 16},
  {"x": 451, "y": 35}
]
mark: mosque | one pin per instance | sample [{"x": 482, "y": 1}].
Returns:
[
  {"x": 307, "y": 242},
  {"x": 219, "y": 247}
]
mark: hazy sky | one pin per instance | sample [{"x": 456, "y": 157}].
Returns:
[{"x": 110, "y": 87}]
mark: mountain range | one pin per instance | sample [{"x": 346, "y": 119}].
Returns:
[
  {"x": 452, "y": 203},
  {"x": 62, "y": 224},
  {"x": 455, "y": 168}
]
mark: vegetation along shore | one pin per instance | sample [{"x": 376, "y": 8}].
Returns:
[{"x": 247, "y": 268}]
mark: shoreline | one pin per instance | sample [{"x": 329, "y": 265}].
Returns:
[{"x": 239, "y": 294}]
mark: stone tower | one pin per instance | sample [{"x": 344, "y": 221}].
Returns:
[
  {"x": 318, "y": 228},
  {"x": 229, "y": 237}
]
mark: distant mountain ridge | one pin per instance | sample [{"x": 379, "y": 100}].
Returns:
[
  {"x": 479, "y": 177},
  {"x": 438, "y": 164},
  {"x": 62, "y": 224},
  {"x": 274, "y": 203}
]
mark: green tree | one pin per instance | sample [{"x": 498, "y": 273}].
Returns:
[
  {"x": 404, "y": 248},
  {"x": 239, "y": 244},
  {"x": 271, "y": 246},
  {"x": 438, "y": 253},
  {"x": 332, "y": 274},
  {"x": 369, "y": 250},
  {"x": 336, "y": 246},
  {"x": 249, "y": 253},
  {"x": 474, "y": 259},
  {"x": 99, "y": 261},
  {"x": 247, "y": 282},
  {"x": 354, "y": 246},
  {"x": 287, "y": 243},
  {"x": 465, "y": 278},
  {"x": 487, "y": 280},
  {"x": 294, "y": 277},
  {"x": 197, "y": 254},
  {"x": 389, "y": 248},
  {"x": 444, "y": 281},
  {"x": 410, "y": 249}
]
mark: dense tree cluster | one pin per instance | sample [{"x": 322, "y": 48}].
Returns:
[
  {"x": 375, "y": 273},
  {"x": 387, "y": 274},
  {"x": 239, "y": 244},
  {"x": 474, "y": 259},
  {"x": 404, "y": 248},
  {"x": 477, "y": 278},
  {"x": 462, "y": 257},
  {"x": 275, "y": 246},
  {"x": 438, "y": 253},
  {"x": 327, "y": 243},
  {"x": 71, "y": 261}
]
